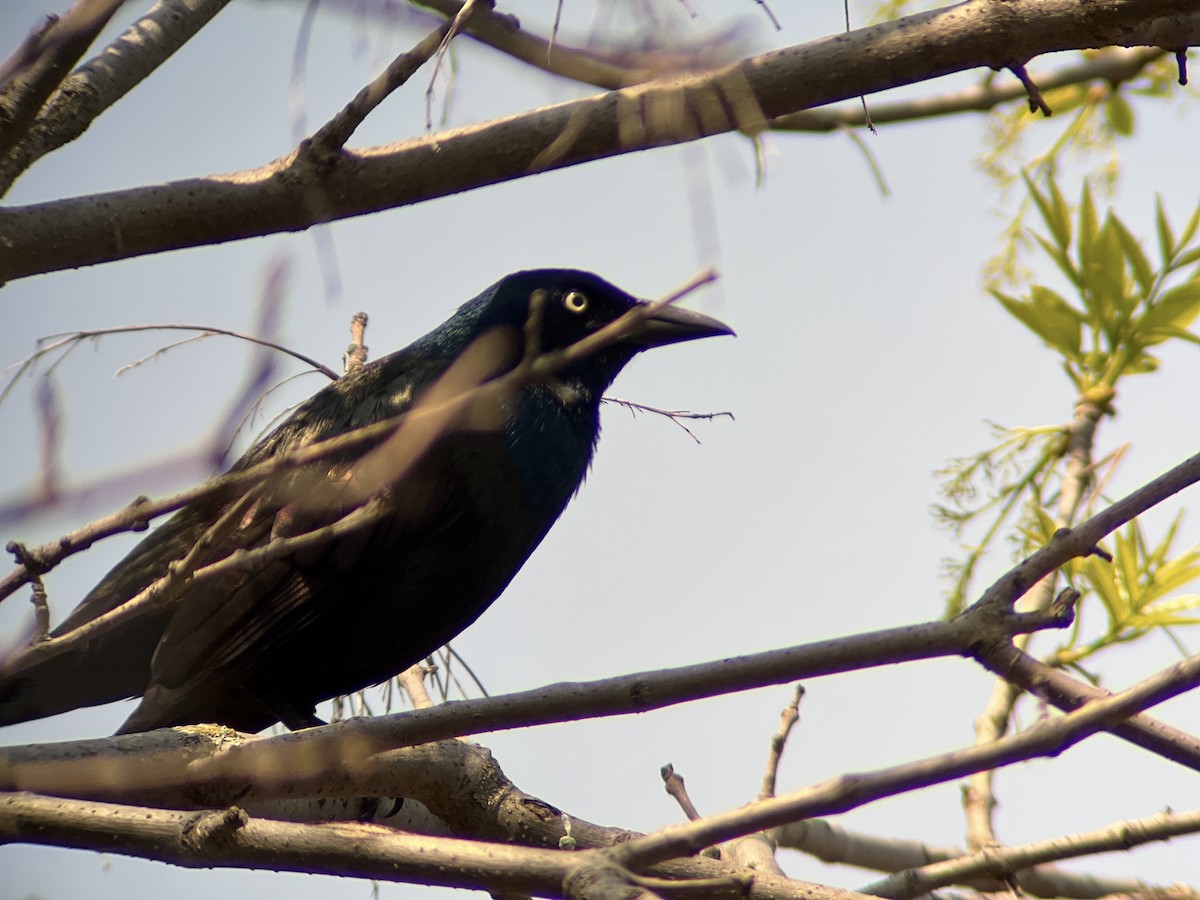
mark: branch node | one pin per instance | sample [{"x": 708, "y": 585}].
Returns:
[
  {"x": 137, "y": 524},
  {"x": 212, "y": 826}
]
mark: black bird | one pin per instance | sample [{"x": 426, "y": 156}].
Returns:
[{"x": 435, "y": 519}]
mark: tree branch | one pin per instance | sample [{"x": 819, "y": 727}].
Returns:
[
  {"x": 1114, "y": 67},
  {"x": 229, "y": 838},
  {"x": 1046, "y": 738},
  {"x": 831, "y": 843},
  {"x": 285, "y": 196},
  {"x": 1008, "y": 862},
  {"x": 102, "y": 81},
  {"x": 43, "y": 61}
]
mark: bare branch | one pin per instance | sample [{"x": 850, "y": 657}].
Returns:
[
  {"x": 675, "y": 415},
  {"x": 1036, "y": 100},
  {"x": 832, "y": 843},
  {"x": 673, "y": 784},
  {"x": 504, "y": 33},
  {"x": 787, "y": 720},
  {"x": 493, "y": 809},
  {"x": 43, "y": 61},
  {"x": 102, "y": 81},
  {"x": 332, "y": 136},
  {"x": 1081, "y": 540},
  {"x": 1114, "y": 66},
  {"x": 1061, "y": 690},
  {"x": 359, "y": 849},
  {"x": 1009, "y": 862},
  {"x": 1047, "y": 738},
  {"x": 356, "y": 354},
  {"x": 281, "y": 195},
  {"x": 346, "y": 746},
  {"x": 55, "y": 342}
]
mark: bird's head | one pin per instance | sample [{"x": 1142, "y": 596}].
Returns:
[{"x": 560, "y": 307}]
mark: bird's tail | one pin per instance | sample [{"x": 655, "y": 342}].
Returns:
[{"x": 77, "y": 677}]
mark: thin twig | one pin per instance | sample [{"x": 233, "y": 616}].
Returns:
[
  {"x": 1036, "y": 100},
  {"x": 675, "y": 415},
  {"x": 465, "y": 13},
  {"x": 673, "y": 783},
  {"x": 332, "y": 136},
  {"x": 1114, "y": 65},
  {"x": 1009, "y": 862},
  {"x": 53, "y": 342},
  {"x": 788, "y": 718},
  {"x": 356, "y": 354},
  {"x": 412, "y": 680}
]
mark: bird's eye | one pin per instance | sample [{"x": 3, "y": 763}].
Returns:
[{"x": 575, "y": 302}]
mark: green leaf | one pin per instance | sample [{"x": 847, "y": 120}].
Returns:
[
  {"x": 1177, "y": 308},
  {"x": 1053, "y": 210},
  {"x": 1119, "y": 114},
  {"x": 1089, "y": 226},
  {"x": 1049, "y": 316},
  {"x": 1125, "y": 559},
  {"x": 1177, "y": 604},
  {"x": 1142, "y": 270},
  {"x": 1062, "y": 324},
  {"x": 1104, "y": 283},
  {"x": 1168, "y": 332},
  {"x": 1166, "y": 240},
  {"x": 1099, "y": 575},
  {"x": 1188, "y": 258},
  {"x": 1146, "y": 621},
  {"x": 1189, "y": 230},
  {"x": 1141, "y": 364},
  {"x": 1059, "y": 255},
  {"x": 1173, "y": 575}
]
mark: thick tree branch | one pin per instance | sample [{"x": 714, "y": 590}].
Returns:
[
  {"x": 229, "y": 838},
  {"x": 290, "y": 194},
  {"x": 43, "y": 61},
  {"x": 314, "y": 753},
  {"x": 988, "y": 623},
  {"x": 102, "y": 81}
]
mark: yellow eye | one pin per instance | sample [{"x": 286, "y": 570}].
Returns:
[{"x": 575, "y": 302}]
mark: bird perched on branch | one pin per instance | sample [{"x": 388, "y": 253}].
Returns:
[{"x": 274, "y": 593}]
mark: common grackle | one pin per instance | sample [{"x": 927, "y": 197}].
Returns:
[{"x": 380, "y": 552}]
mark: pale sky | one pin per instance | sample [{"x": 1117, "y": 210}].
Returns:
[{"x": 867, "y": 355}]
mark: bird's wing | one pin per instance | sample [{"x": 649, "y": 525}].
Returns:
[{"x": 222, "y": 628}]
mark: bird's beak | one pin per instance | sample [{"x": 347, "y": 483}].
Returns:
[{"x": 670, "y": 325}]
